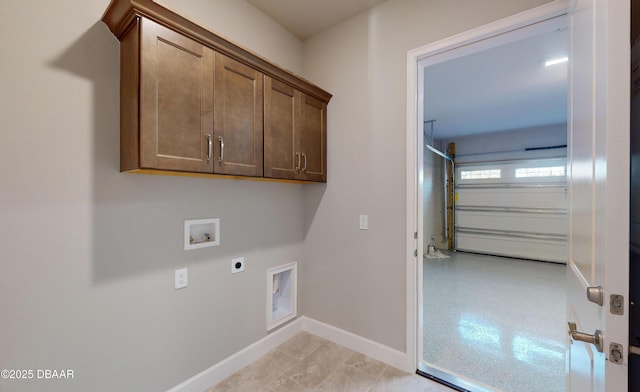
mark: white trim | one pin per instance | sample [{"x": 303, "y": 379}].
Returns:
[
  {"x": 244, "y": 357},
  {"x": 239, "y": 360},
  {"x": 514, "y": 22},
  {"x": 419, "y": 57},
  {"x": 375, "y": 350},
  {"x": 412, "y": 211}
]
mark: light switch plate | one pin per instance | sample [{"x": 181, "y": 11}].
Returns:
[
  {"x": 182, "y": 278},
  {"x": 364, "y": 222}
]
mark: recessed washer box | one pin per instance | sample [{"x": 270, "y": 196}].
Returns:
[
  {"x": 282, "y": 294},
  {"x": 201, "y": 233}
]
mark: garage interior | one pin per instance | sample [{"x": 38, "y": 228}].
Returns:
[{"x": 495, "y": 216}]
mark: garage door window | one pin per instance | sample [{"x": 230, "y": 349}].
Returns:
[
  {"x": 554, "y": 171},
  {"x": 480, "y": 174}
]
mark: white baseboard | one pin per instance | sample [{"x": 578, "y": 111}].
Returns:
[
  {"x": 375, "y": 350},
  {"x": 223, "y": 369}
]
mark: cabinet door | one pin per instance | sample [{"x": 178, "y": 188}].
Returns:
[
  {"x": 313, "y": 138},
  {"x": 238, "y": 113},
  {"x": 279, "y": 130},
  {"x": 176, "y": 101}
]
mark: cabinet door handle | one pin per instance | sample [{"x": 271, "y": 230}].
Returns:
[
  {"x": 209, "y": 148},
  {"x": 298, "y": 160},
  {"x": 221, "y": 158},
  {"x": 304, "y": 168}
]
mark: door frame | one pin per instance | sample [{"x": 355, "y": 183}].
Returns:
[{"x": 472, "y": 40}]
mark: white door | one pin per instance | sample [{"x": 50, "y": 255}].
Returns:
[{"x": 599, "y": 190}]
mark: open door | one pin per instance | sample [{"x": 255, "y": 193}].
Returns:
[{"x": 599, "y": 196}]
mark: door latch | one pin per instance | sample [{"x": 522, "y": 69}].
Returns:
[
  {"x": 615, "y": 353},
  {"x": 616, "y": 304}
]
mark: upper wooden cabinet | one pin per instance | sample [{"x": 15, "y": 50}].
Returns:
[
  {"x": 295, "y": 134},
  {"x": 281, "y": 147},
  {"x": 237, "y": 118},
  {"x": 313, "y": 138},
  {"x": 192, "y": 101},
  {"x": 175, "y": 97}
]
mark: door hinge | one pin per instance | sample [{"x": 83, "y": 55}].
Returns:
[
  {"x": 615, "y": 353},
  {"x": 616, "y": 304},
  {"x": 415, "y": 253},
  {"x": 415, "y": 235}
]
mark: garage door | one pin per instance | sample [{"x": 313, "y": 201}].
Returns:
[{"x": 513, "y": 208}]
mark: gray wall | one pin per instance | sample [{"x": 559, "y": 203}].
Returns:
[
  {"x": 87, "y": 254},
  {"x": 356, "y": 280}
]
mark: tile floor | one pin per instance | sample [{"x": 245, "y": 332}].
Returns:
[
  {"x": 307, "y": 363},
  {"x": 496, "y": 320}
]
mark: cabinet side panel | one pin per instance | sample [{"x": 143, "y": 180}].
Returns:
[
  {"x": 279, "y": 130},
  {"x": 129, "y": 95}
]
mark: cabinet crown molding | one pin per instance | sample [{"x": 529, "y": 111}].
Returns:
[{"x": 121, "y": 15}]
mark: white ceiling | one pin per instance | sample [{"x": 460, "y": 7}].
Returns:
[
  {"x": 505, "y": 87},
  {"x": 306, "y": 18}
]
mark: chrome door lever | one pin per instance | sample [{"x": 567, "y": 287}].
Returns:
[
  {"x": 596, "y": 339},
  {"x": 595, "y": 294}
]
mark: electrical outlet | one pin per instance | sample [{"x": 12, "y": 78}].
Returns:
[
  {"x": 182, "y": 278},
  {"x": 364, "y": 222},
  {"x": 237, "y": 265}
]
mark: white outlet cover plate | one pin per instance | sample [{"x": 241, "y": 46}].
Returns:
[
  {"x": 182, "y": 278},
  {"x": 235, "y": 270}
]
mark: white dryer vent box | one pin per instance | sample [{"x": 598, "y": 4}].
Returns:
[{"x": 282, "y": 294}]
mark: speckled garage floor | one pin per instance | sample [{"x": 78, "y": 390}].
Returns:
[{"x": 498, "y": 321}]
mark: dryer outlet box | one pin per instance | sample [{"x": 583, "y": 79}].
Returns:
[{"x": 237, "y": 265}]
